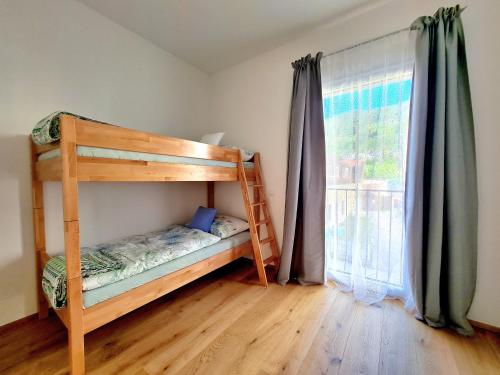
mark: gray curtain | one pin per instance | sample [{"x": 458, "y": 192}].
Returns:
[
  {"x": 441, "y": 187},
  {"x": 303, "y": 251}
]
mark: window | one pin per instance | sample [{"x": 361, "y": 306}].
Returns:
[{"x": 366, "y": 112}]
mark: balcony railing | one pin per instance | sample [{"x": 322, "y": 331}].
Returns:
[{"x": 369, "y": 222}]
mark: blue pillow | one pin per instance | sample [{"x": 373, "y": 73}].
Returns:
[{"x": 203, "y": 219}]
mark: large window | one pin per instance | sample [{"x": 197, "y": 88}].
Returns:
[{"x": 366, "y": 112}]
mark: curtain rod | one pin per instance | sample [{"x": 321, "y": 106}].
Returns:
[
  {"x": 375, "y": 39},
  {"x": 367, "y": 41}
]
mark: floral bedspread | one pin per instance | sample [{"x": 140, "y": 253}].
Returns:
[{"x": 107, "y": 263}]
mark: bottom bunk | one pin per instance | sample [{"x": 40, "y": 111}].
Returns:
[
  {"x": 94, "y": 296},
  {"x": 123, "y": 275}
]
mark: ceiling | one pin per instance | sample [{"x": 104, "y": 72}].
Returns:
[{"x": 215, "y": 34}]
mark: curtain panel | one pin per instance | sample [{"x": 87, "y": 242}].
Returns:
[
  {"x": 303, "y": 250},
  {"x": 441, "y": 183}
]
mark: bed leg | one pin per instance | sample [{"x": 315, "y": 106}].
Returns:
[
  {"x": 74, "y": 299},
  {"x": 72, "y": 245},
  {"x": 38, "y": 232},
  {"x": 210, "y": 194},
  {"x": 76, "y": 353},
  {"x": 76, "y": 346},
  {"x": 43, "y": 306}
]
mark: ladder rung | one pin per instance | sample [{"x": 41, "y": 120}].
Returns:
[
  {"x": 262, "y": 222},
  {"x": 266, "y": 240},
  {"x": 258, "y": 204},
  {"x": 256, "y": 185}
]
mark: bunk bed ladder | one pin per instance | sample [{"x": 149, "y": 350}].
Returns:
[{"x": 253, "y": 210}]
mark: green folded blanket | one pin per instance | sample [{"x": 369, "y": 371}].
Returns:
[
  {"x": 47, "y": 130},
  {"x": 92, "y": 264}
]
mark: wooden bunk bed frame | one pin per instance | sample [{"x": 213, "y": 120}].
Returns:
[{"x": 71, "y": 169}]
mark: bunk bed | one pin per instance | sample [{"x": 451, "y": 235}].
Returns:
[{"x": 92, "y": 151}]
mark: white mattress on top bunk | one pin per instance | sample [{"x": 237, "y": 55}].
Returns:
[
  {"x": 91, "y": 297},
  {"x": 97, "y": 152}
]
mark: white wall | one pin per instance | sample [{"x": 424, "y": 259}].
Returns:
[
  {"x": 59, "y": 54},
  {"x": 251, "y": 102}
]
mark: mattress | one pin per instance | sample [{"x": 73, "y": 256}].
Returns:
[
  {"x": 97, "y": 152},
  {"x": 91, "y": 297}
]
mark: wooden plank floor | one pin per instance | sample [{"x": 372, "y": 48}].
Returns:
[{"x": 224, "y": 324}]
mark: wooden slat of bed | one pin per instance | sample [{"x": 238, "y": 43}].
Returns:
[
  {"x": 111, "y": 309},
  {"x": 100, "y": 169},
  {"x": 104, "y": 169},
  {"x": 108, "y": 136}
]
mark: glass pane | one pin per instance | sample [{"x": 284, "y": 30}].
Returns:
[{"x": 366, "y": 127}]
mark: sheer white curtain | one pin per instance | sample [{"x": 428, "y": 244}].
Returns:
[{"x": 366, "y": 99}]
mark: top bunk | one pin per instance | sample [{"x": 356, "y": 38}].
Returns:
[{"x": 104, "y": 152}]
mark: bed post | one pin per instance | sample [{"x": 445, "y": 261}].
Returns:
[
  {"x": 39, "y": 232},
  {"x": 210, "y": 194},
  {"x": 72, "y": 245}
]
